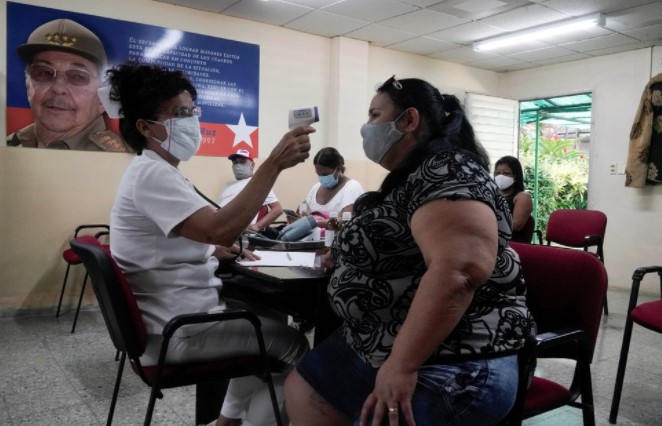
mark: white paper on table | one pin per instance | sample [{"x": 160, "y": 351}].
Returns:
[{"x": 281, "y": 258}]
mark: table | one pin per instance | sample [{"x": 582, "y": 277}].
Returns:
[{"x": 296, "y": 291}]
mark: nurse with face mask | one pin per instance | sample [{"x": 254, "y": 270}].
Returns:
[
  {"x": 428, "y": 290},
  {"x": 334, "y": 191},
  {"x": 168, "y": 240},
  {"x": 509, "y": 177}
]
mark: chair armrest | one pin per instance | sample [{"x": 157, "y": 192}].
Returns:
[
  {"x": 637, "y": 278},
  {"x": 91, "y": 225},
  {"x": 538, "y": 233},
  {"x": 101, "y": 233},
  {"x": 640, "y": 272},
  {"x": 553, "y": 339},
  {"x": 592, "y": 240},
  {"x": 204, "y": 317}
]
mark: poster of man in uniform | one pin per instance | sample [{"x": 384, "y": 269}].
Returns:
[{"x": 56, "y": 61}]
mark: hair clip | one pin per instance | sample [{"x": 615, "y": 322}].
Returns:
[{"x": 393, "y": 82}]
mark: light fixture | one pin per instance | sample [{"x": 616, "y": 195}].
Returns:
[{"x": 541, "y": 33}]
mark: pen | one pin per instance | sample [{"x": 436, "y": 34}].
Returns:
[{"x": 289, "y": 256}]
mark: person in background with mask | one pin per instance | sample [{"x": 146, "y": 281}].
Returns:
[
  {"x": 430, "y": 293},
  {"x": 242, "y": 168},
  {"x": 168, "y": 240},
  {"x": 335, "y": 192},
  {"x": 509, "y": 177}
]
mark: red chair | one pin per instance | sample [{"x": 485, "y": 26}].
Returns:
[
  {"x": 565, "y": 290},
  {"x": 73, "y": 259},
  {"x": 578, "y": 229},
  {"x": 128, "y": 333},
  {"x": 647, "y": 315}
]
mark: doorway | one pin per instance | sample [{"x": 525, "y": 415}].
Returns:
[{"x": 554, "y": 147}]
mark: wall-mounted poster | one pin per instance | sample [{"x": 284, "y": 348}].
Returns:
[{"x": 56, "y": 61}]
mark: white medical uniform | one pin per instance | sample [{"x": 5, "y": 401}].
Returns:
[{"x": 172, "y": 275}]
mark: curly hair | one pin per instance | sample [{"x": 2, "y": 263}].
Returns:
[
  {"x": 141, "y": 90},
  {"x": 443, "y": 126}
]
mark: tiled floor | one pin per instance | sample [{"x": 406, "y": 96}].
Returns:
[{"x": 51, "y": 377}]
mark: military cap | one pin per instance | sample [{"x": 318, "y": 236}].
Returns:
[{"x": 64, "y": 35}]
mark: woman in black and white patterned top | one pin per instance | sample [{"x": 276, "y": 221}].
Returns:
[{"x": 429, "y": 291}]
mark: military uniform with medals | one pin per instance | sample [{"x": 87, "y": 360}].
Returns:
[{"x": 94, "y": 137}]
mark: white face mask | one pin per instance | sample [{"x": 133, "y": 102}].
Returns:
[
  {"x": 504, "y": 182},
  {"x": 184, "y": 137},
  {"x": 378, "y": 138},
  {"x": 242, "y": 171}
]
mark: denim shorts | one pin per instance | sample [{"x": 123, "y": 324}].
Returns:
[{"x": 476, "y": 392}]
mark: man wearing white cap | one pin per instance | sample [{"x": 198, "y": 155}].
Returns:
[
  {"x": 242, "y": 167},
  {"x": 64, "y": 61}
]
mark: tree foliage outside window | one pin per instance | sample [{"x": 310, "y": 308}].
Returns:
[{"x": 562, "y": 174}]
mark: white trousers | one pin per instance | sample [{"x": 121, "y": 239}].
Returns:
[{"x": 247, "y": 397}]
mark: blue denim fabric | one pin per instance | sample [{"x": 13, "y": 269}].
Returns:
[{"x": 478, "y": 392}]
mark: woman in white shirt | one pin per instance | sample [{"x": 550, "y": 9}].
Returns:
[
  {"x": 168, "y": 240},
  {"x": 335, "y": 191}
]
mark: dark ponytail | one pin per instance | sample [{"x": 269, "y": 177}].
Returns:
[{"x": 443, "y": 127}]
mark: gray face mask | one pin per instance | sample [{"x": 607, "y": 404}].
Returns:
[
  {"x": 242, "y": 171},
  {"x": 378, "y": 138}
]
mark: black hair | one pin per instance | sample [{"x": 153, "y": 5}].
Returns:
[
  {"x": 443, "y": 126},
  {"x": 141, "y": 90},
  {"x": 331, "y": 158},
  {"x": 514, "y": 165}
]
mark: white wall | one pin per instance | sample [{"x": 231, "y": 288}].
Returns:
[
  {"x": 634, "y": 225},
  {"x": 44, "y": 195}
]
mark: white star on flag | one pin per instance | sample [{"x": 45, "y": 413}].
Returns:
[{"x": 242, "y": 132}]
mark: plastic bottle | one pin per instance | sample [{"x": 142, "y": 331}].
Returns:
[
  {"x": 303, "y": 208},
  {"x": 332, "y": 226},
  {"x": 346, "y": 217}
]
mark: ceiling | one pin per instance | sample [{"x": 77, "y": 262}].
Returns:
[{"x": 446, "y": 29}]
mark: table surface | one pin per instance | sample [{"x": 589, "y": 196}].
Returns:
[{"x": 284, "y": 277}]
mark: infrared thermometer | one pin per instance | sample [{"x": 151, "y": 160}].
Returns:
[{"x": 303, "y": 116}]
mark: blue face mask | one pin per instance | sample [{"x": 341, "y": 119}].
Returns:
[{"x": 328, "y": 181}]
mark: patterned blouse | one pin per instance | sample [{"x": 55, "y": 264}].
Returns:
[{"x": 379, "y": 267}]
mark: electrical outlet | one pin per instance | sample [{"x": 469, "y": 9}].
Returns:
[
  {"x": 620, "y": 169},
  {"x": 613, "y": 169}
]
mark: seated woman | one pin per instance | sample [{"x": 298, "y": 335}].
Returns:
[
  {"x": 168, "y": 240},
  {"x": 335, "y": 191},
  {"x": 509, "y": 177},
  {"x": 431, "y": 296}
]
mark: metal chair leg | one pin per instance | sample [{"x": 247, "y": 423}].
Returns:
[
  {"x": 80, "y": 299},
  {"x": 620, "y": 373},
  {"x": 64, "y": 284},
  {"x": 116, "y": 390}
]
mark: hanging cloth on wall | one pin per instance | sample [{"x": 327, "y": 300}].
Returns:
[{"x": 644, "y": 163}]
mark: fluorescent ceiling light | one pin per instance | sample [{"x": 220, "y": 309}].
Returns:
[{"x": 541, "y": 33}]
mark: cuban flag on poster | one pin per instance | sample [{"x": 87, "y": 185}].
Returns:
[{"x": 225, "y": 73}]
